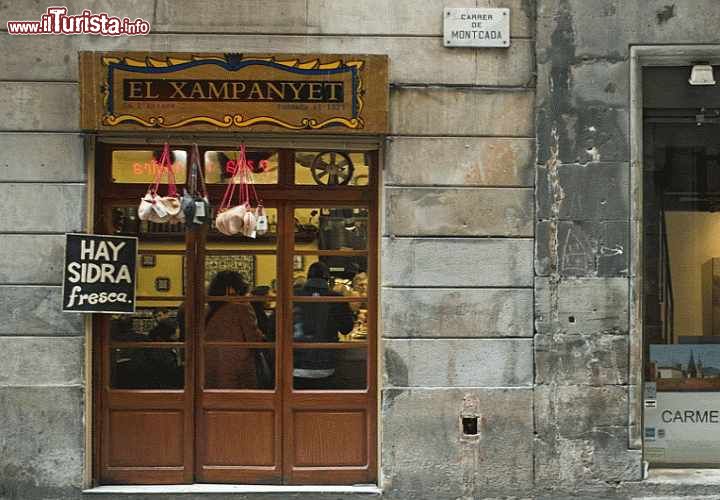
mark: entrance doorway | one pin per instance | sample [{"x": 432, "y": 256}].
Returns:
[
  {"x": 247, "y": 360},
  {"x": 681, "y": 269}
]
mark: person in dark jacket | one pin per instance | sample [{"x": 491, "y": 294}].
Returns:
[{"x": 317, "y": 322}]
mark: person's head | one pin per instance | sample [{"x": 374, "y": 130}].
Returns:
[
  {"x": 164, "y": 328},
  {"x": 360, "y": 283},
  {"x": 298, "y": 283},
  {"x": 318, "y": 270},
  {"x": 160, "y": 314},
  {"x": 227, "y": 283}
]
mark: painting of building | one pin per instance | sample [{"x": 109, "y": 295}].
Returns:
[{"x": 679, "y": 367}]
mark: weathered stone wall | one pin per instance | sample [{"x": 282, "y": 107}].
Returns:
[
  {"x": 456, "y": 278},
  {"x": 42, "y": 186},
  {"x": 584, "y": 386}
]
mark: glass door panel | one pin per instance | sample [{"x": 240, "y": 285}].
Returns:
[
  {"x": 237, "y": 359},
  {"x": 329, "y": 417},
  {"x": 146, "y": 382}
]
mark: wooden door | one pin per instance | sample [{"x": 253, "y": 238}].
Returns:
[
  {"x": 239, "y": 422},
  {"x": 238, "y": 404},
  {"x": 145, "y": 387},
  {"x": 329, "y": 421}
]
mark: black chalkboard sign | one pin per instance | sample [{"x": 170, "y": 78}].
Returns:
[{"x": 99, "y": 274}]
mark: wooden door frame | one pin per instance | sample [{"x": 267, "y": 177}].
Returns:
[{"x": 95, "y": 145}]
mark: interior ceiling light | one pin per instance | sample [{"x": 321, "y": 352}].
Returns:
[{"x": 702, "y": 74}]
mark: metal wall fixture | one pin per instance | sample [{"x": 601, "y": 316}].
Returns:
[{"x": 702, "y": 74}]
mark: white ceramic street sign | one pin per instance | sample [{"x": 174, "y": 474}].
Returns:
[{"x": 476, "y": 27}]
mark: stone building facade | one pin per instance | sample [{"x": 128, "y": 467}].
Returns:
[{"x": 507, "y": 282}]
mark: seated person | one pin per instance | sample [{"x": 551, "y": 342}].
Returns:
[
  {"x": 152, "y": 368},
  {"x": 165, "y": 326}
]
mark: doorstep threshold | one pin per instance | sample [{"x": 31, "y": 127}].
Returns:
[
  {"x": 365, "y": 489},
  {"x": 705, "y": 477}
]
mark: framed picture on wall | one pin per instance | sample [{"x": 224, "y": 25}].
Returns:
[
  {"x": 162, "y": 284},
  {"x": 298, "y": 263},
  {"x": 243, "y": 264},
  {"x": 147, "y": 260}
]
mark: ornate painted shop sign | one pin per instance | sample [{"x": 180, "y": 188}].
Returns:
[{"x": 262, "y": 93}]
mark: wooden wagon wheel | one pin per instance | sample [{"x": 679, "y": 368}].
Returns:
[{"x": 332, "y": 168}]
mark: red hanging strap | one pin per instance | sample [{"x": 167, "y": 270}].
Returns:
[
  {"x": 243, "y": 183},
  {"x": 227, "y": 197},
  {"x": 242, "y": 174},
  {"x": 164, "y": 166},
  {"x": 229, "y": 193},
  {"x": 244, "y": 178},
  {"x": 232, "y": 166},
  {"x": 251, "y": 183},
  {"x": 248, "y": 180},
  {"x": 172, "y": 189},
  {"x": 158, "y": 168}
]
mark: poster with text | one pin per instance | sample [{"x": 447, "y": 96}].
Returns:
[
  {"x": 682, "y": 429},
  {"x": 99, "y": 274}
]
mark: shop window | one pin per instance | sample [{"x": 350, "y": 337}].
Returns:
[
  {"x": 253, "y": 360},
  {"x": 141, "y": 166},
  {"x": 681, "y": 274},
  {"x": 219, "y": 166},
  {"x": 332, "y": 168}
]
